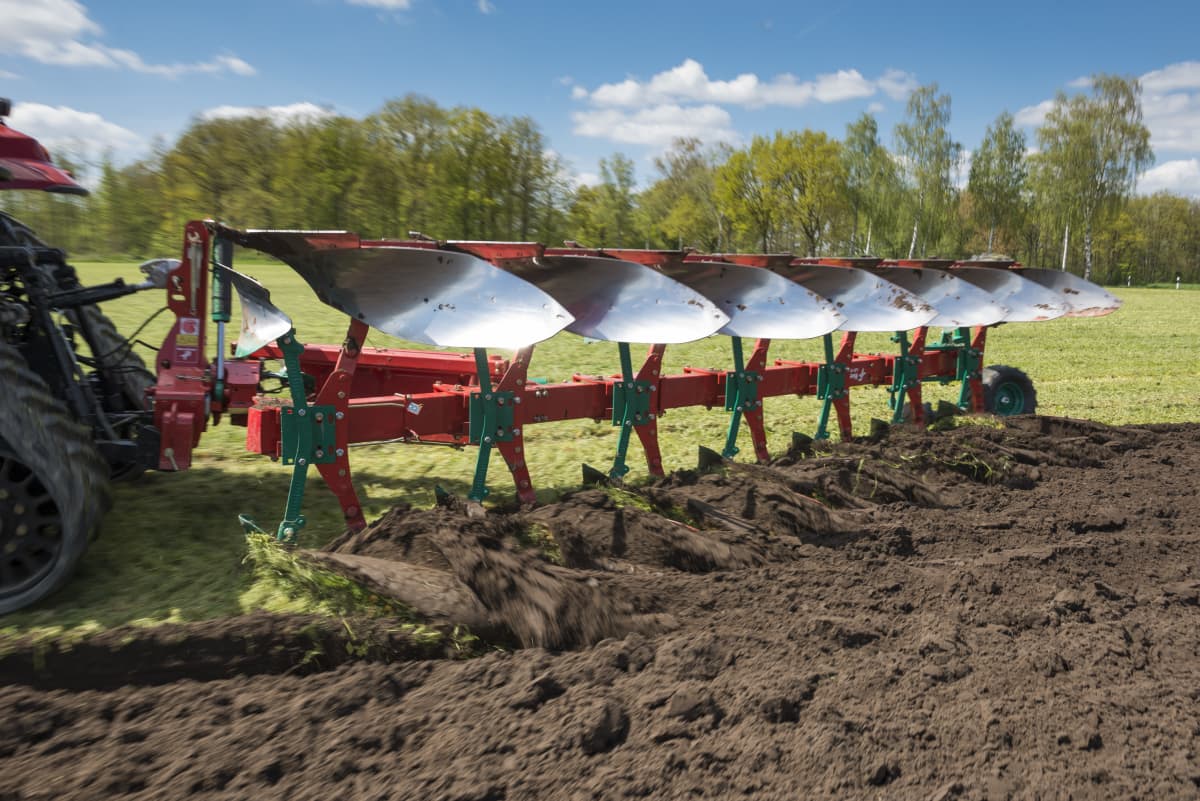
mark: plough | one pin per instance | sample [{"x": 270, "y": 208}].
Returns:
[
  {"x": 79, "y": 408},
  {"x": 512, "y": 295}
]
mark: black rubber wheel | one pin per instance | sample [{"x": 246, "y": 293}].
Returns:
[
  {"x": 1007, "y": 391},
  {"x": 53, "y": 487}
]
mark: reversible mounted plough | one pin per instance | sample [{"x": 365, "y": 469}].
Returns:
[{"x": 478, "y": 296}]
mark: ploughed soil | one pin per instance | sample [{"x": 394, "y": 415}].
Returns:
[{"x": 975, "y": 613}]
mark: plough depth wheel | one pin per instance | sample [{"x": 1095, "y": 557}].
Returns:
[{"x": 1007, "y": 391}]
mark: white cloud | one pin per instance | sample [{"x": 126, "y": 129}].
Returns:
[
  {"x": 1184, "y": 75},
  {"x": 875, "y": 107},
  {"x": 689, "y": 83},
  {"x": 1173, "y": 117},
  {"x": 486, "y": 6},
  {"x": 60, "y": 32},
  {"x": 586, "y": 179},
  {"x": 897, "y": 84},
  {"x": 658, "y": 125},
  {"x": 1170, "y": 107},
  {"x": 1033, "y": 115},
  {"x": 390, "y": 5},
  {"x": 302, "y": 112},
  {"x": 1181, "y": 177},
  {"x": 77, "y": 132}
]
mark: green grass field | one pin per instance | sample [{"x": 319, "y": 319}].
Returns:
[{"x": 172, "y": 549}]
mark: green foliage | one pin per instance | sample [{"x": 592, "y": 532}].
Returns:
[
  {"x": 998, "y": 177},
  {"x": 929, "y": 158},
  {"x": 462, "y": 173},
  {"x": 1092, "y": 149}
]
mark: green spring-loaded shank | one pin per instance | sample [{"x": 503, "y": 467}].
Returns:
[
  {"x": 308, "y": 436},
  {"x": 630, "y": 408},
  {"x": 741, "y": 396},
  {"x": 491, "y": 422},
  {"x": 831, "y": 386}
]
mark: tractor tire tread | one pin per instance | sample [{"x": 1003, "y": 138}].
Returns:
[{"x": 37, "y": 429}]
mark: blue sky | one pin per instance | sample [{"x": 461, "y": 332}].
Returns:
[{"x": 597, "y": 77}]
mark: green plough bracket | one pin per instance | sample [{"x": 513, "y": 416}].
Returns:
[
  {"x": 831, "y": 386},
  {"x": 968, "y": 364},
  {"x": 904, "y": 377},
  {"x": 630, "y": 408},
  {"x": 741, "y": 396}
]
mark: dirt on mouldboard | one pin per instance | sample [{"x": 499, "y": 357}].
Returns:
[{"x": 983, "y": 613}]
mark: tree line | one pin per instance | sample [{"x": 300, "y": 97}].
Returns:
[{"x": 1064, "y": 198}]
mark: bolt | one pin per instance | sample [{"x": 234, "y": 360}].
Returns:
[
  {"x": 338, "y": 415},
  {"x": 301, "y": 412},
  {"x": 342, "y": 472},
  {"x": 487, "y": 440},
  {"x": 516, "y": 432},
  {"x": 653, "y": 417},
  {"x": 302, "y": 462},
  {"x": 289, "y": 532},
  {"x": 320, "y": 418},
  {"x": 487, "y": 397},
  {"x": 517, "y": 399},
  {"x": 320, "y": 454},
  {"x": 340, "y": 451},
  {"x": 341, "y": 395},
  {"x": 499, "y": 401}
]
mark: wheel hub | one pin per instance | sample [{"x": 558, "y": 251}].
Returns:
[
  {"x": 30, "y": 527},
  {"x": 1010, "y": 400}
]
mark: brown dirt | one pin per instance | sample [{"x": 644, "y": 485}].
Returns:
[{"x": 980, "y": 613}]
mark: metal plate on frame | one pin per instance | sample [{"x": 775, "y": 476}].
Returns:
[
  {"x": 262, "y": 321},
  {"x": 1084, "y": 298},
  {"x": 425, "y": 295},
  {"x": 958, "y": 303},
  {"x": 868, "y": 302},
  {"x": 759, "y": 303},
  {"x": 621, "y": 301},
  {"x": 1027, "y": 301}
]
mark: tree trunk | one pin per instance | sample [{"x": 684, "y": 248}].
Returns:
[
  {"x": 1087, "y": 251},
  {"x": 912, "y": 246},
  {"x": 1066, "y": 238},
  {"x": 991, "y": 236},
  {"x": 867, "y": 249}
]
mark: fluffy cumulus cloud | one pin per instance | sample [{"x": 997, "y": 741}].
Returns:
[
  {"x": 1170, "y": 107},
  {"x": 388, "y": 5},
  {"x": 658, "y": 125},
  {"x": 61, "y": 33},
  {"x": 1182, "y": 177},
  {"x": 61, "y": 128},
  {"x": 685, "y": 102},
  {"x": 1033, "y": 116},
  {"x": 689, "y": 83},
  {"x": 292, "y": 113}
]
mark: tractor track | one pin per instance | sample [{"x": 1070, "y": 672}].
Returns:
[{"x": 979, "y": 613}]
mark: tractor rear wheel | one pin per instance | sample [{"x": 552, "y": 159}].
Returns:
[
  {"x": 1007, "y": 391},
  {"x": 53, "y": 487}
]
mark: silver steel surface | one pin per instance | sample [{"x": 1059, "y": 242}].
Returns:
[
  {"x": 262, "y": 321},
  {"x": 423, "y": 295},
  {"x": 1027, "y": 301},
  {"x": 759, "y": 303},
  {"x": 868, "y": 302},
  {"x": 958, "y": 303},
  {"x": 1084, "y": 298},
  {"x": 620, "y": 301}
]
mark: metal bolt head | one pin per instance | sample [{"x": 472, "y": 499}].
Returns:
[
  {"x": 301, "y": 462},
  {"x": 301, "y": 412},
  {"x": 516, "y": 432},
  {"x": 338, "y": 415},
  {"x": 340, "y": 451}
]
